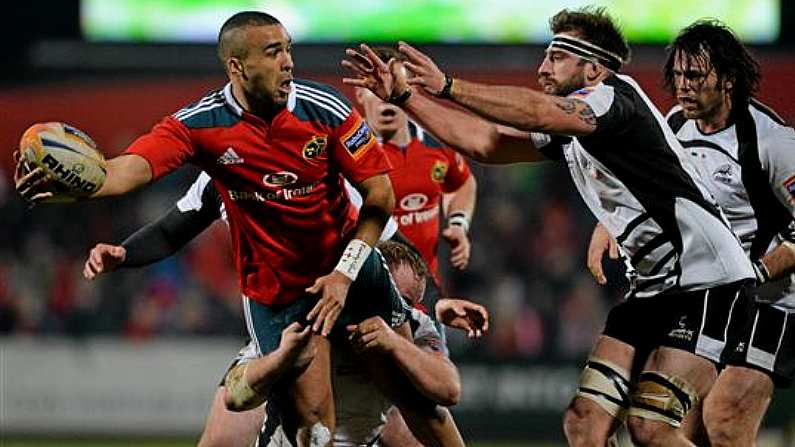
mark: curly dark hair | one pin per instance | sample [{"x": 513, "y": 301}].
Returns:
[
  {"x": 713, "y": 43},
  {"x": 594, "y": 25}
]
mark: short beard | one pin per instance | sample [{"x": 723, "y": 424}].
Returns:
[{"x": 572, "y": 85}]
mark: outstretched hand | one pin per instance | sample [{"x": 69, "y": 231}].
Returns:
[
  {"x": 462, "y": 314},
  {"x": 103, "y": 258},
  {"x": 385, "y": 79},
  {"x": 424, "y": 71}
]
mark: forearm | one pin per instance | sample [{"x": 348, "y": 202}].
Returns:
[
  {"x": 125, "y": 173},
  {"x": 462, "y": 131},
  {"x": 256, "y": 378},
  {"x": 378, "y": 203},
  {"x": 432, "y": 374},
  {"x": 463, "y": 200},
  {"x": 780, "y": 262},
  {"x": 517, "y": 107}
]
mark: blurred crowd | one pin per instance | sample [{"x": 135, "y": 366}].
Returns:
[{"x": 529, "y": 239}]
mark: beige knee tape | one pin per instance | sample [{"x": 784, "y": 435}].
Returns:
[
  {"x": 238, "y": 388},
  {"x": 606, "y": 384},
  {"x": 663, "y": 398}
]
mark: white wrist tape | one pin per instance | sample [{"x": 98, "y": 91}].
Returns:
[
  {"x": 460, "y": 219},
  {"x": 353, "y": 258},
  {"x": 540, "y": 139}
]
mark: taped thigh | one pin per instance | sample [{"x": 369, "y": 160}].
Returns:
[
  {"x": 663, "y": 398},
  {"x": 606, "y": 384}
]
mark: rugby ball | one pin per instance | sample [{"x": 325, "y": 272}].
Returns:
[{"x": 67, "y": 155}]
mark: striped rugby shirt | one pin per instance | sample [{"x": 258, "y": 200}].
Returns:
[
  {"x": 749, "y": 167},
  {"x": 631, "y": 174},
  {"x": 281, "y": 181}
]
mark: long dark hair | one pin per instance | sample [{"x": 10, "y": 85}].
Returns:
[{"x": 713, "y": 42}]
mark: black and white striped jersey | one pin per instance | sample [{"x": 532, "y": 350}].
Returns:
[
  {"x": 749, "y": 167},
  {"x": 631, "y": 173}
]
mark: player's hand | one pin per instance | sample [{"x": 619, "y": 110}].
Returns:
[
  {"x": 425, "y": 72},
  {"x": 334, "y": 288},
  {"x": 297, "y": 345},
  {"x": 386, "y": 79},
  {"x": 462, "y": 314},
  {"x": 33, "y": 184},
  {"x": 459, "y": 246},
  {"x": 372, "y": 334},
  {"x": 601, "y": 242},
  {"x": 103, "y": 258}
]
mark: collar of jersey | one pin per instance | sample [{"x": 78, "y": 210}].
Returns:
[{"x": 233, "y": 104}]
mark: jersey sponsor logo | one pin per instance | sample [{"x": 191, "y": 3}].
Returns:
[
  {"x": 358, "y": 140},
  {"x": 413, "y": 202},
  {"x": 789, "y": 185},
  {"x": 271, "y": 196},
  {"x": 279, "y": 179},
  {"x": 418, "y": 217},
  {"x": 439, "y": 171},
  {"x": 725, "y": 174},
  {"x": 314, "y": 147},
  {"x": 230, "y": 157}
]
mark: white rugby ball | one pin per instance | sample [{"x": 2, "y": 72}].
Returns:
[{"x": 67, "y": 155}]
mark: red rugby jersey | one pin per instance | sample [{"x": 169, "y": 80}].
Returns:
[
  {"x": 423, "y": 170},
  {"x": 280, "y": 181}
]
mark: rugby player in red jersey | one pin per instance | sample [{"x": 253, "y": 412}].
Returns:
[{"x": 275, "y": 148}]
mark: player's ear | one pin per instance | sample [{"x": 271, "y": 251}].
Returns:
[
  {"x": 593, "y": 71},
  {"x": 359, "y": 95},
  {"x": 234, "y": 66}
]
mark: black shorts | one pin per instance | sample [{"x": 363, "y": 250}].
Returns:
[
  {"x": 766, "y": 343},
  {"x": 698, "y": 321}
]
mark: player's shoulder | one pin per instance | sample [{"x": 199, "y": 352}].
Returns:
[
  {"x": 676, "y": 118},
  {"x": 422, "y": 135},
  {"x": 605, "y": 95},
  {"x": 772, "y": 132},
  {"x": 766, "y": 118},
  {"x": 315, "y": 101},
  {"x": 211, "y": 110}
]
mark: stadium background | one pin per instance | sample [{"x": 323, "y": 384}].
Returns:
[{"x": 137, "y": 354}]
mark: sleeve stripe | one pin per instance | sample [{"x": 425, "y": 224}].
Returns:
[
  {"x": 318, "y": 102},
  {"x": 200, "y": 110},
  {"x": 331, "y": 98},
  {"x": 204, "y": 101}
]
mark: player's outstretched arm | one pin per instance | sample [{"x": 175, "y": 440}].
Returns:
[
  {"x": 517, "y": 107},
  {"x": 193, "y": 213},
  {"x": 125, "y": 173},
  {"x": 423, "y": 361},
  {"x": 464, "y": 132},
  {"x": 249, "y": 383}
]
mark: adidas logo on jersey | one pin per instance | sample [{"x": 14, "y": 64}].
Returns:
[{"x": 230, "y": 157}]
